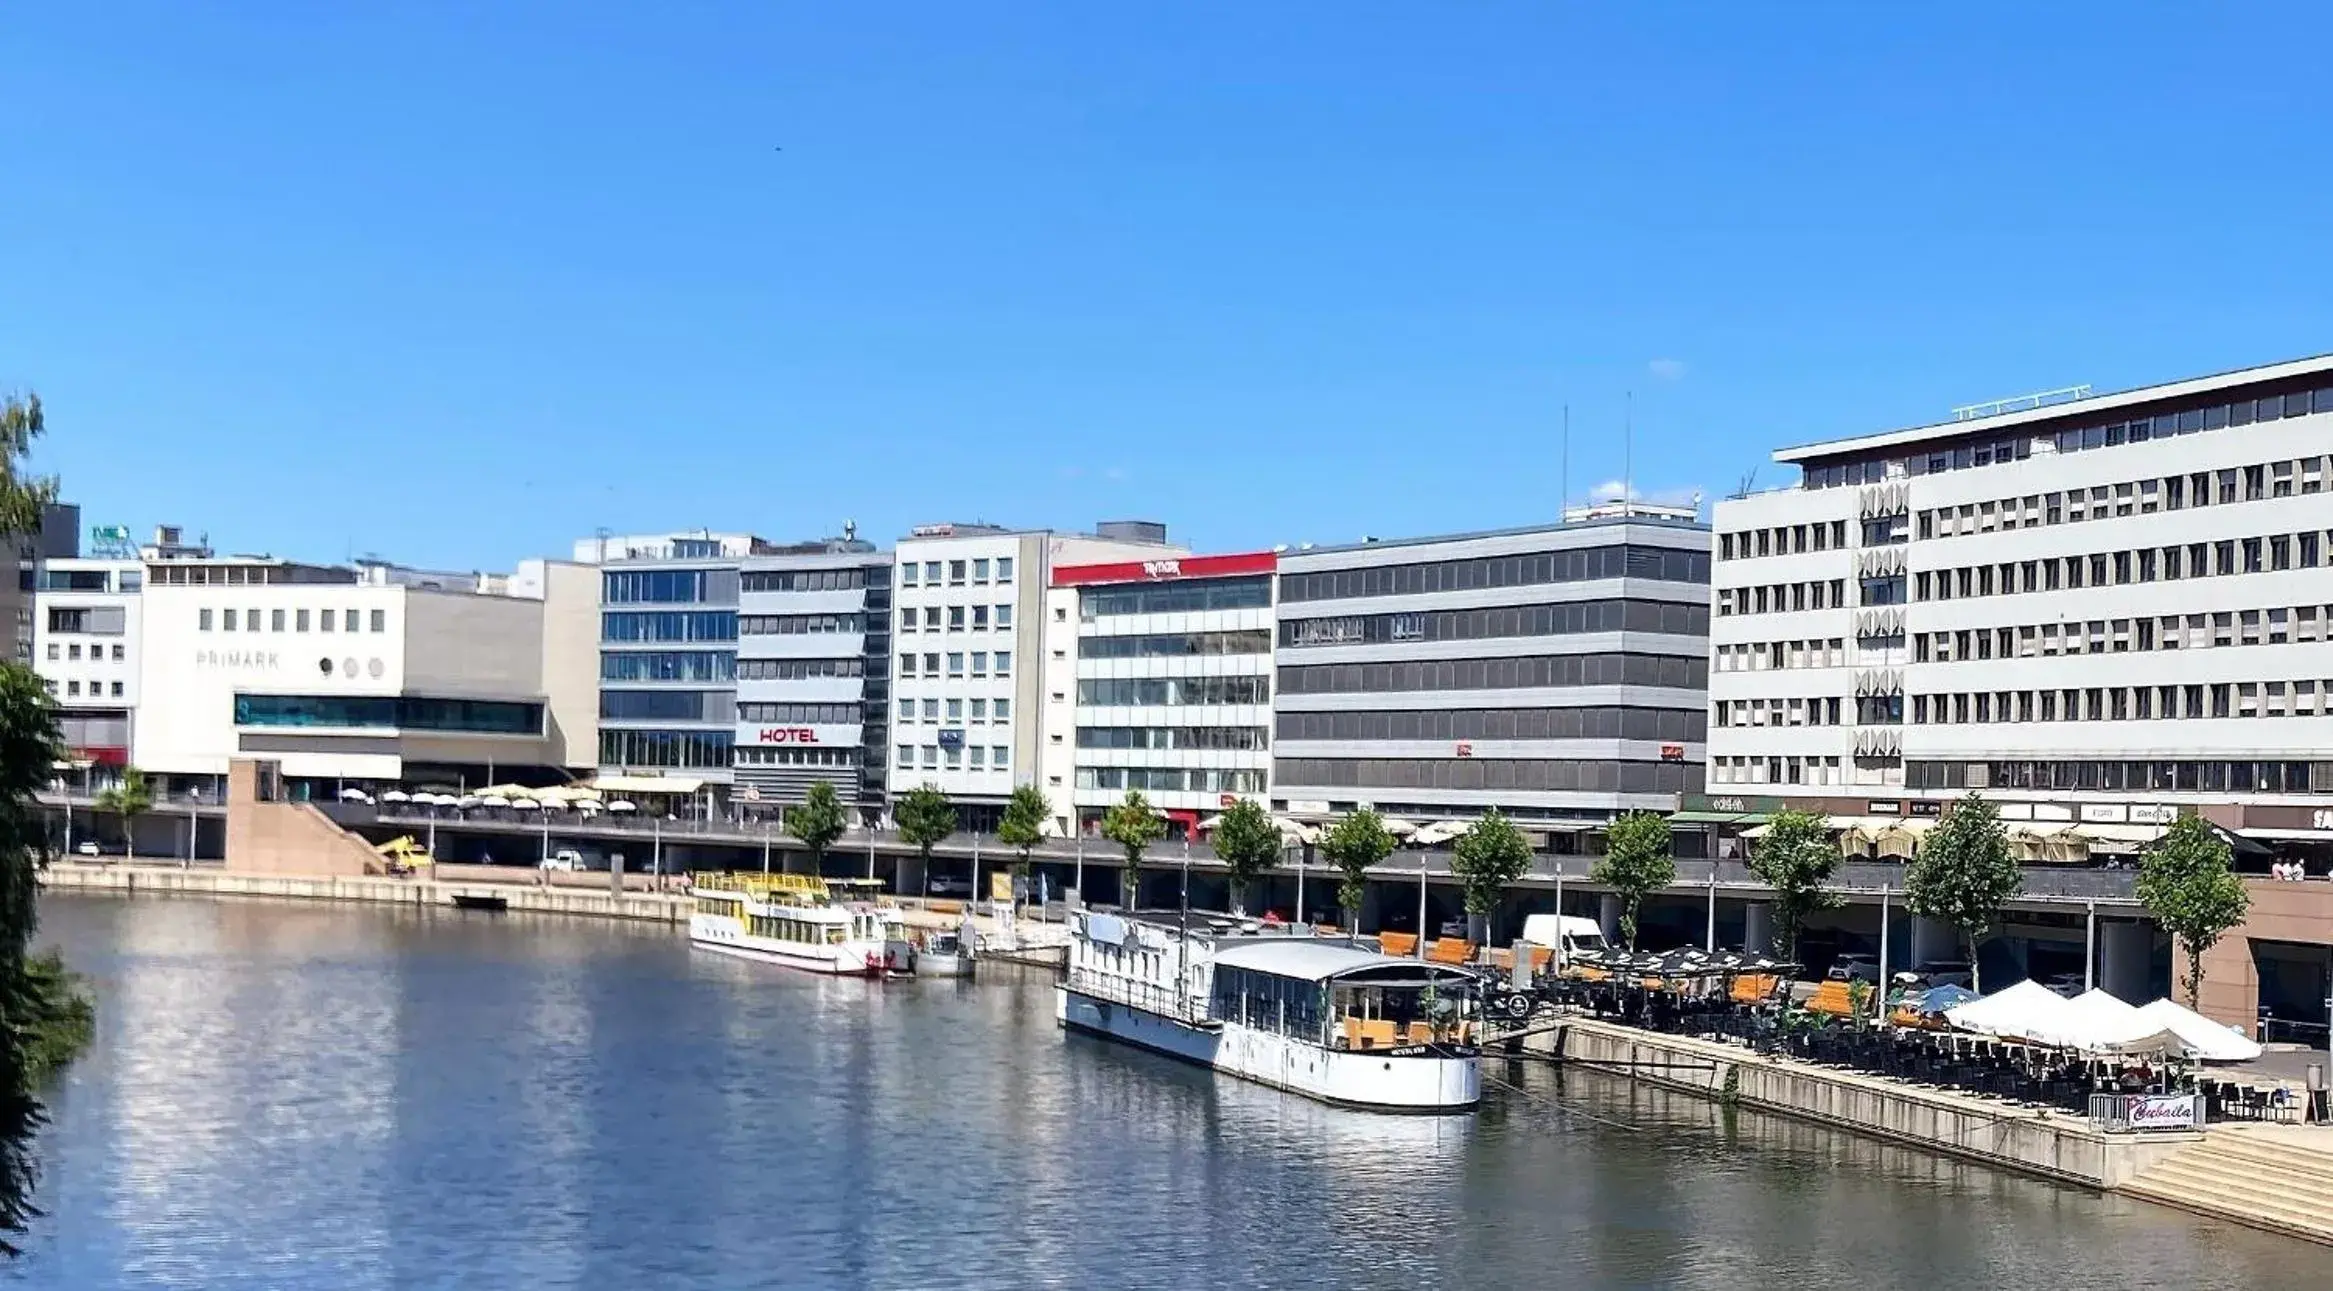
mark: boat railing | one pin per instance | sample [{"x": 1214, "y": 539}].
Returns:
[{"x": 1153, "y": 997}]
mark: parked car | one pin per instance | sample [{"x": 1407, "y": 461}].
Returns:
[
  {"x": 566, "y": 859},
  {"x": 1574, "y": 933},
  {"x": 948, "y": 885},
  {"x": 1854, "y": 968},
  {"x": 87, "y": 849}
]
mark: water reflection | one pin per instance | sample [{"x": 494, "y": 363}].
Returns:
[{"x": 301, "y": 1097}]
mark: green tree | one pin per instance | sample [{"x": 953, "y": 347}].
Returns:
[
  {"x": 22, "y": 496},
  {"x": 127, "y": 798},
  {"x": 42, "y": 1014},
  {"x": 817, "y": 822},
  {"x": 1133, "y": 825},
  {"x": 1248, "y": 844},
  {"x": 1796, "y": 858},
  {"x": 1963, "y": 873},
  {"x": 1023, "y": 826},
  {"x": 1355, "y": 844},
  {"x": 925, "y": 818},
  {"x": 2186, "y": 884},
  {"x": 1637, "y": 862},
  {"x": 1491, "y": 854}
]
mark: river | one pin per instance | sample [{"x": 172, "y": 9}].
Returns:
[{"x": 304, "y": 1097}]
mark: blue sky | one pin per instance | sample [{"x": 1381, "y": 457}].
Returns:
[{"x": 459, "y": 286}]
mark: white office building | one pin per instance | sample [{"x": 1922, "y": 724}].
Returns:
[
  {"x": 85, "y": 647},
  {"x": 965, "y": 638},
  {"x": 2102, "y": 608},
  {"x": 1159, "y": 679},
  {"x": 813, "y": 674}
]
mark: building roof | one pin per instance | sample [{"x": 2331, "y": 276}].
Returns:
[
  {"x": 1309, "y": 960},
  {"x": 2054, "y": 412}
]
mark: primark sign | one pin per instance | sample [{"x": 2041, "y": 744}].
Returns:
[{"x": 237, "y": 660}]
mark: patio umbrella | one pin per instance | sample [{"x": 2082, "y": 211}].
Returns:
[
  {"x": 355, "y": 795},
  {"x": 525, "y": 804},
  {"x": 396, "y": 795},
  {"x": 493, "y": 800},
  {"x": 466, "y": 801},
  {"x": 621, "y": 804}
]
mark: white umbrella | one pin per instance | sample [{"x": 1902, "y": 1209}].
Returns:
[
  {"x": 466, "y": 801},
  {"x": 493, "y": 800},
  {"x": 587, "y": 808},
  {"x": 355, "y": 795},
  {"x": 1397, "y": 827},
  {"x": 525, "y": 804},
  {"x": 397, "y": 795},
  {"x": 621, "y": 805}
]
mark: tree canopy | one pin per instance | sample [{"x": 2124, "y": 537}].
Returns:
[
  {"x": 1023, "y": 824},
  {"x": 1248, "y": 844},
  {"x": 1489, "y": 856},
  {"x": 1796, "y": 858},
  {"x": 1637, "y": 862},
  {"x": 1133, "y": 824},
  {"x": 925, "y": 818},
  {"x": 818, "y": 821},
  {"x": 1963, "y": 873},
  {"x": 2186, "y": 883},
  {"x": 1354, "y": 844},
  {"x": 127, "y": 798}
]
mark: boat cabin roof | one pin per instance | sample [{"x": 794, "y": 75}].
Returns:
[{"x": 1321, "y": 961}]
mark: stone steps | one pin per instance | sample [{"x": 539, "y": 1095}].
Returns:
[{"x": 2262, "y": 1182}]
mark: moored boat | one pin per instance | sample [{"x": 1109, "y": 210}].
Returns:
[
  {"x": 799, "y": 921},
  {"x": 1323, "y": 1017},
  {"x": 945, "y": 953}
]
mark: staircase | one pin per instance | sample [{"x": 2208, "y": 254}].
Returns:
[{"x": 2265, "y": 1176}]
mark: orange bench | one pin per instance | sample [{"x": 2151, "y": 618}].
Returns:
[
  {"x": 1832, "y": 998},
  {"x": 1398, "y": 943},
  {"x": 1753, "y": 988},
  {"x": 1450, "y": 950}
]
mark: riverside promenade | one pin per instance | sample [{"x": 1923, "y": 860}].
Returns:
[{"x": 595, "y": 898}]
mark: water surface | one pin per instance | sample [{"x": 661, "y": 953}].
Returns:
[{"x": 304, "y": 1098}]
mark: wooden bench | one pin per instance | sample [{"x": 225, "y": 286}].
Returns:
[
  {"x": 1450, "y": 950},
  {"x": 1754, "y": 988},
  {"x": 1399, "y": 944},
  {"x": 1832, "y": 998}
]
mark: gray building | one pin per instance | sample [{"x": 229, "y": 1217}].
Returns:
[
  {"x": 814, "y": 673},
  {"x": 1557, "y": 673},
  {"x": 668, "y": 651}
]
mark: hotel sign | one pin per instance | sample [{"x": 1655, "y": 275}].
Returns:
[{"x": 787, "y": 735}]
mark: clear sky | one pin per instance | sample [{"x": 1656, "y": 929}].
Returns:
[{"x": 460, "y": 283}]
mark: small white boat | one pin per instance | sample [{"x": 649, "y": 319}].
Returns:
[
  {"x": 944, "y": 954},
  {"x": 1313, "y": 1015},
  {"x": 799, "y": 921}
]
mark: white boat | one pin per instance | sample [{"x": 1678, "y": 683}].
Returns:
[
  {"x": 944, "y": 954},
  {"x": 1312, "y": 1015},
  {"x": 799, "y": 921}
]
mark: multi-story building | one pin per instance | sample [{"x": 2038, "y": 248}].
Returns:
[
  {"x": 337, "y": 674},
  {"x": 813, "y": 673},
  {"x": 965, "y": 682},
  {"x": 85, "y": 645},
  {"x": 1158, "y": 677},
  {"x": 668, "y": 651},
  {"x": 1557, "y": 673},
  {"x": 2099, "y": 609}
]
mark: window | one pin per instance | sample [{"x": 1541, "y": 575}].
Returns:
[
  {"x": 73, "y": 688},
  {"x": 907, "y": 665},
  {"x": 202, "y": 622},
  {"x": 907, "y": 710},
  {"x": 980, "y": 663},
  {"x": 299, "y": 620},
  {"x": 980, "y": 570},
  {"x": 931, "y": 755},
  {"x": 955, "y": 710},
  {"x": 348, "y": 622},
  {"x": 119, "y": 653},
  {"x": 1004, "y": 569},
  {"x": 1004, "y": 663},
  {"x": 931, "y": 710},
  {"x": 955, "y": 618},
  {"x": 931, "y": 618},
  {"x": 998, "y": 757},
  {"x": 931, "y": 573},
  {"x": 1004, "y": 710},
  {"x": 324, "y": 621},
  {"x": 931, "y": 665},
  {"x": 380, "y": 620},
  {"x": 275, "y": 620},
  {"x": 227, "y": 620},
  {"x": 979, "y": 710},
  {"x": 73, "y": 652},
  {"x": 979, "y": 754},
  {"x": 1004, "y": 617},
  {"x": 955, "y": 572},
  {"x": 955, "y": 663},
  {"x": 979, "y": 618},
  {"x": 906, "y": 579},
  {"x": 117, "y": 690},
  {"x": 907, "y": 751}
]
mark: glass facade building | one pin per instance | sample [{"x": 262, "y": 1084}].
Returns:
[{"x": 668, "y": 655}]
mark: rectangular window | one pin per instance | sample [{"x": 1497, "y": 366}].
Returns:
[
  {"x": 980, "y": 663},
  {"x": 979, "y": 618},
  {"x": 955, "y": 572},
  {"x": 980, "y": 570},
  {"x": 1004, "y": 663},
  {"x": 117, "y": 690},
  {"x": 1004, "y": 710},
  {"x": 275, "y": 620},
  {"x": 979, "y": 710},
  {"x": 931, "y": 665},
  {"x": 906, "y": 579},
  {"x": 907, "y": 710},
  {"x": 324, "y": 620},
  {"x": 999, "y": 756},
  {"x": 931, "y": 755},
  {"x": 300, "y": 621},
  {"x": 1004, "y": 617},
  {"x": 955, "y": 663},
  {"x": 907, "y": 665},
  {"x": 202, "y": 619},
  {"x": 955, "y": 710},
  {"x": 1004, "y": 569},
  {"x": 931, "y": 710},
  {"x": 348, "y": 620},
  {"x": 978, "y": 755},
  {"x": 227, "y": 618},
  {"x": 251, "y": 619},
  {"x": 906, "y": 755},
  {"x": 955, "y": 618}
]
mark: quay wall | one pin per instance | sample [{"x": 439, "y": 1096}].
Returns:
[
  {"x": 129, "y": 880},
  {"x": 2052, "y": 1145}
]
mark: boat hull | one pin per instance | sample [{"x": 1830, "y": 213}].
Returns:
[
  {"x": 1434, "y": 1081},
  {"x": 942, "y": 964}
]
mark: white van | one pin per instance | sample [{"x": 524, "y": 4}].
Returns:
[{"x": 1569, "y": 933}]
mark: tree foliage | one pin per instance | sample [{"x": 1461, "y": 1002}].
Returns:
[
  {"x": 127, "y": 799},
  {"x": 21, "y": 496},
  {"x": 1023, "y": 825},
  {"x": 1964, "y": 873},
  {"x": 817, "y": 822},
  {"x": 1248, "y": 844},
  {"x": 1133, "y": 824},
  {"x": 925, "y": 818},
  {"x": 2186, "y": 883},
  {"x": 1796, "y": 858},
  {"x": 1490, "y": 855},
  {"x": 1638, "y": 861},
  {"x": 1354, "y": 844}
]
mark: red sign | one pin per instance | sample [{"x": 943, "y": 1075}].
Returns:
[
  {"x": 1167, "y": 569},
  {"x": 1227, "y": 800},
  {"x": 788, "y": 735},
  {"x": 1672, "y": 753},
  {"x": 1466, "y": 748}
]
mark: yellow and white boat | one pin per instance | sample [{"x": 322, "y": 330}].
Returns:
[{"x": 800, "y": 921}]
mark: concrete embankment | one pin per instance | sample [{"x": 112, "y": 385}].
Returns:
[
  {"x": 2053, "y": 1145},
  {"x": 598, "y": 903}
]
